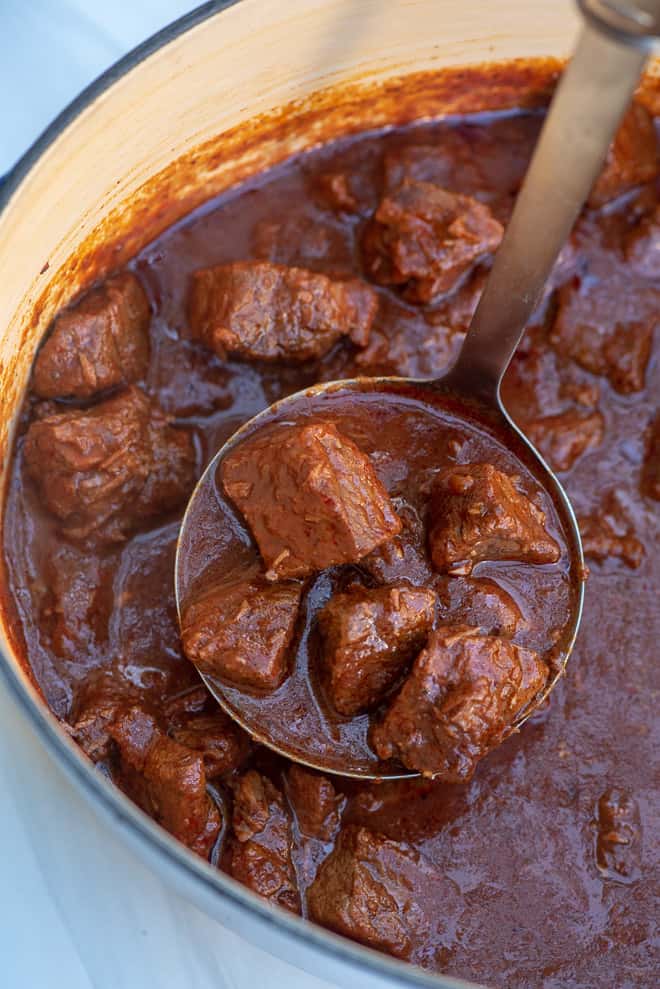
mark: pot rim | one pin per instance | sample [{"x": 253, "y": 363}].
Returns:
[{"x": 203, "y": 880}]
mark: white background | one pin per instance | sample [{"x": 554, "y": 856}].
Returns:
[{"x": 76, "y": 908}]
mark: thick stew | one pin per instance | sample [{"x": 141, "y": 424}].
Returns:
[{"x": 414, "y": 598}]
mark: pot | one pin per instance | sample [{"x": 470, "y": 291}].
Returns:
[{"x": 223, "y": 92}]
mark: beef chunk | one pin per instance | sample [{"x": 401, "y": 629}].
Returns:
[
  {"x": 371, "y": 889},
  {"x": 618, "y": 836},
  {"x": 539, "y": 383},
  {"x": 459, "y": 702},
  {"x": 257, "y": 310},
  {"x": 425, "y": 239},
  {"x": 310, "y": 496},
  {"x": 223, "y": 745},
  {"x": 317, "y": 805},
  {"x": 479, "y": 602},
  {"x": 240, "y": 630},
  {"x": 77, "y": 602},
  {"x": 105, "y": 470},
  {"x": 607, "y": 327},
  {"x": 553, "y": 401},
  {"x": 185, "y": 704},
  {"x": 404, "y": 558},
  {"x": 642, "y": 247},
  {"x": 632, "y": 158},
  {"x": 96, "y": 706},
  {"x": 608, "y": 533},
  {"x": 563, "y": 438},
  {"x": 477, "y": 514},
  {"x": 260, "y": 855},
  {"x": 650, "y": 485},
  {"x": 99, "y": 343},
  {"x": 369, "y": 637},
  {"x": 167, "y": 780}
]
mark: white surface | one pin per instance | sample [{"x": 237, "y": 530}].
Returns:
[{"x": 77, "y": 909}]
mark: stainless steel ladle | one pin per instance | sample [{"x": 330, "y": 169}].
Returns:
[{"x": 590, "y": 101}]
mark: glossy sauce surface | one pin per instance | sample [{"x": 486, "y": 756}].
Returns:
[{"x": 526, "y": 893}]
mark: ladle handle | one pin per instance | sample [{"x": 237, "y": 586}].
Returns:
[{"x": 591, "y": 98}]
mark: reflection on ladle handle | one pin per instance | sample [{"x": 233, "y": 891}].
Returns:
[{"x": 591, "y": 99}]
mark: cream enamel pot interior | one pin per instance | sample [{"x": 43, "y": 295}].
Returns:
[{"x": 188, "y": 113}]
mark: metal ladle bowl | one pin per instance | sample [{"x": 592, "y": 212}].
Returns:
[{"x": 590, "y": 101}]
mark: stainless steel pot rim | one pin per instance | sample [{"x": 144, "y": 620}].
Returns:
[{"x": 135, "y": 825}]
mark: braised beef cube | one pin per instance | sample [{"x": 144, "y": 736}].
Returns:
[
  {"x": 167, "y": 779},
  {"x": 369, "y": 637},
  {"x": 77, "y": 602},
  {"x": 223, "y": 745},
  {"x": 96, "y": 706},
  {"x": 607, "y": 326},
  {"x": 399, "y": 559},
  {"x": 372, "y": 889},
  {"x": 650, "y": 484},
  {"x": 618, "y": 836},
  {"x": 180, "y": 707},
  {"x": 632, "y": 158},
  {"x": 563, "y": 438},
  {"x": 477, "y": 514},
  {"x": 425, "y": 239},
  {"x": 260, "y": 855},
  {"x": 100, "y": 343},
  {"x": 241, "y": 629},
  {"x": 317, "y": 805},
  {"x": 608, "y": 533},
  {"x": 105, "y": 470},
  {"x": 256, "y": 310},
  {"x": 310, "y": 496},
  {"x": 480, "y": 602},
  {"x": 450, "y": 163},
  {"x": 134, "y": 731},
  {"x": 642, "y": 247},
  {"x": 459, "y": 702},
  {"x": 403, "y": 559}
]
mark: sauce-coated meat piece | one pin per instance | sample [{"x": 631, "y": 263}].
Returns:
[
  {"x": 426, "y": 238},
  {"x": 317, "y": 805},
  {"x": 650, "y": 484},
  {"x": 480, "y": 602},
  {"x": 105, "y": 470},
  {"x": 642, "y": 246},
  {"x": 369, "y": 637},
  {"x": 256, "y": 310},
  {"x": 310, "y": 496},
  {"x": 97, "y": 704},
  {"x": 477, "y": 514},
  {"x": 606, "y": 325},
  {"x": 166, "y": 779},
  {"x": 219, "y": 740},
  {"x": 260, "y": 853},
  {"x": 458, "y": 702},
  {"x": 371, "y": 889},
  {"x": 100, "y": 343},
  {"x": 632, "y": 158},
  {"x": 241, "y": 628},
  {"x": 608, "y": 533},
  {"x": 404, "y": 558},
  {"x": 563, "y": 438}
]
